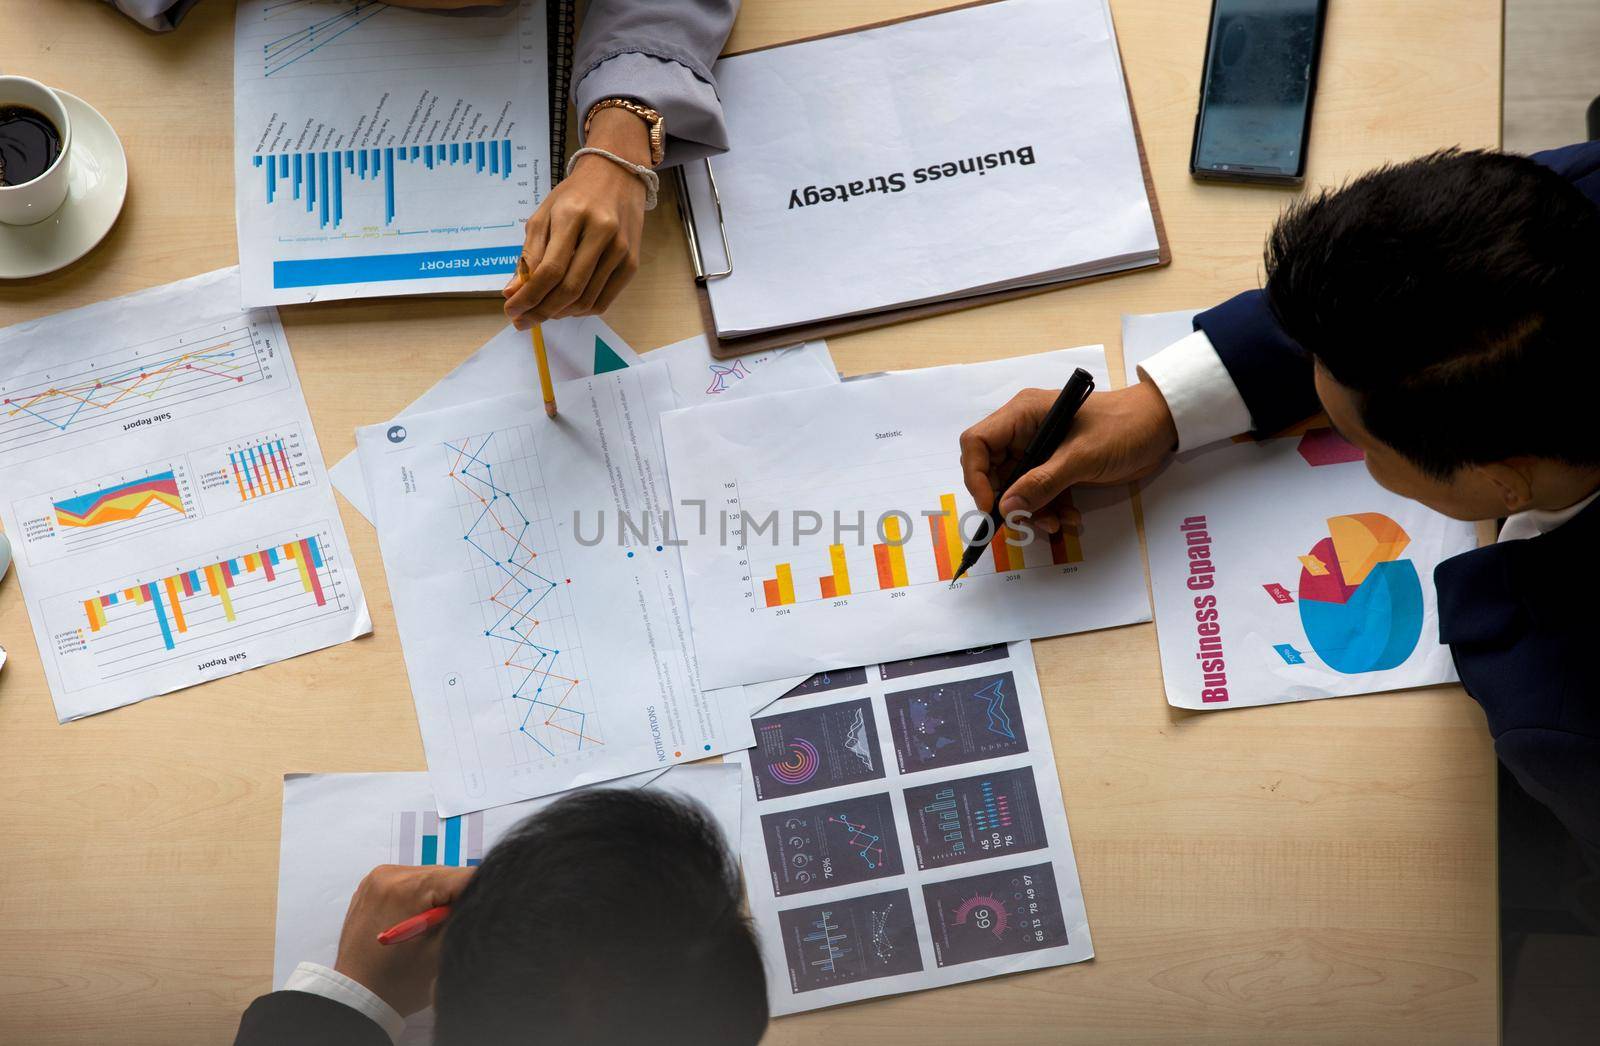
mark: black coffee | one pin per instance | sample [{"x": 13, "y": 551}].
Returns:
[{"x": 29, "y": 144}]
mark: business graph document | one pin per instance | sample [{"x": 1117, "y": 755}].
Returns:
[
  {"x": 540, "y": 605},
  {"x": 338, "y": 827},
  {"x": 1281, "y": 570},
  {"x": 904, "y": 829},
  {"x": 836, "y": 516},
  {"x": 380, "y": 150},
  {"x": 576, "y": 348},
  {"x": 165, "y": 496}
]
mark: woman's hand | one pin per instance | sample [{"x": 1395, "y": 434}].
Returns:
[{"x": 583, "y": 242}]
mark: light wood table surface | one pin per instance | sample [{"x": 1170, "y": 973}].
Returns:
[{"x": 1319, "y": 872}]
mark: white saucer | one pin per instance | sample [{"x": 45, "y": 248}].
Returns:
[{"x": 97, "y": 185}]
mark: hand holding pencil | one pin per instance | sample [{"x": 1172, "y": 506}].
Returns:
[
  {"x": 386, "y": 945},
  {"x": 545, "y": 384}
]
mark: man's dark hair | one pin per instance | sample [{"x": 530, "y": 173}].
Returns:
[
  {"x": 1455, "y": 295},
  {"x": 611, "y": 917}
]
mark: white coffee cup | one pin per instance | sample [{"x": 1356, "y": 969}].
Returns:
[{"x": 33, "y": 202}]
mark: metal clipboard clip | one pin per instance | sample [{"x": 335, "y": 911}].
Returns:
[{"x": 686, "y": 214}]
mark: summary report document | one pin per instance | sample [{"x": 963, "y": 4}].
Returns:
[
  {"x": 904, "y": 829},
  {"x": 541, "y": 610},
  {"x": 872, "y": 168},
  {"x": 834, "y": 519},
  {"x": 338, "y": 827},
  {"x": 165, "y": 496},
  {"x": 379, "y": 150},
  {"x": 1281, "y": 570}
]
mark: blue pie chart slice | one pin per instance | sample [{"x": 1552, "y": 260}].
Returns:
[{"x": 1375, "y": 628}]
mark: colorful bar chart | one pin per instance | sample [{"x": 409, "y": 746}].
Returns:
[
  {"x": 214, "y": 581},
  {"x": 120, "y": 501},
  {"x": 262, "y": 468},
  {"x": 316, "y": 179},
  {"x": 1007, "y": 554},
  {"x": 422, "y": 837}
]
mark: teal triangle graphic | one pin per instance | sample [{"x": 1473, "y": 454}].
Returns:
[{"x": 606, "y": 359}]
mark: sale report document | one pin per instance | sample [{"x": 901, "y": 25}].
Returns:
[
  {"x": 380, "y": 150},
  {"x": 338, "y": 827},
  {"x": 904, "y": 829},
  {"x": 1281, "y": 570},
  {"x": 165, "y": 496},
  {"x": 835, "y": 517},
  {"x": 872, "y": 168},
  {"x": 540, "y": 607}
]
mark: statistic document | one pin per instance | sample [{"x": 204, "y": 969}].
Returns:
[
  {"x": 904, "y": 829},
  {"x": 1282, "y": 571},
  {"x": 380, "y": 150},
  {"x": 540, "y": 607},
  {"x": 836, "y": 516},
  {"x": 338, "y": 827},
  {"x": 165, "y": 496}
]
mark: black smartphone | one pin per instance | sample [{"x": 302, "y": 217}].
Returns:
[{"x": 1256, "y": 89}]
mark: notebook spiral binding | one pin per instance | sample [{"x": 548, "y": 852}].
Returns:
[{"x": 561, "y": 19}]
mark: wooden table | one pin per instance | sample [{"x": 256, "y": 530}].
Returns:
[{"x": 1319, "y": 872}]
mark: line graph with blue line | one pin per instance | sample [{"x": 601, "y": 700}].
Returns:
[
  {"x": 197, "y": 367},
  {"x": 278, "y": 55},
  {"x": 316, "y": 180},
  {"x": 527, "y": 623}
]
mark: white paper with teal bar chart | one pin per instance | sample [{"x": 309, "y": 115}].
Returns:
[
  {"x": 381, "y": 151},
  {"x": 163, "y": 489}
]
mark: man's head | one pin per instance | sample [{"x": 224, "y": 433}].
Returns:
[
  {"x": 611, "y": 917},
  {"x": 1449, "y": 303}
]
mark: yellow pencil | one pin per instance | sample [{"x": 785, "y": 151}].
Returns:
[{"x": 545, "y": 384}]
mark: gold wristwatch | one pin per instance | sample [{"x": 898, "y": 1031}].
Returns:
[{"x": 656, "y": 122}]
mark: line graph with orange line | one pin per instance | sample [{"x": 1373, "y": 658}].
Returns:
[
  {"x": 519, "y": 596},
  {"x": 131, "y": 387}
]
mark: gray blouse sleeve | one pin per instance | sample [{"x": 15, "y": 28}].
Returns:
[{"x": 159, "y": 15}]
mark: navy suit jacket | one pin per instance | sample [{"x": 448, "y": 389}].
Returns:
[{"x": 1521, "y": 617}]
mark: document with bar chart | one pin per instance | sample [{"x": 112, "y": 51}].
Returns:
[
  {"x": 540, "y": 605},
  {"x": 338, "y": 827},
  {"x": 904, "y": 829},
  {"x": 380, "y": 150},
  {"x": 165, "y": 496},
  {"x": 838, "y": 515}
]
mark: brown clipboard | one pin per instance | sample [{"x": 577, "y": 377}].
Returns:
[{"x": 727, "y": 348}]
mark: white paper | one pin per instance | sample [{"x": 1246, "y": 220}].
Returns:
[
  {"x": 865, "y": 449},
  {"x": 1235, "y": 532},
  {"x": 542, "y": 654},
  {"x": 699, "y": 377},
  {"x": 904, "y": 829},
  {"x": 338, "y": 827},
  {"x": 153, "y": 449},
  {"x": 576, "y": 348},
  {"x": 383, "y": 151},
  {"x": 872, "y": 169}
]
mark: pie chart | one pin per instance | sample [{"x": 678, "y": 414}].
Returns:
[{"x": 1360, "y": 603}]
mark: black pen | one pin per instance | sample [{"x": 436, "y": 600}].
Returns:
[{"x": 1044, "y": 443}]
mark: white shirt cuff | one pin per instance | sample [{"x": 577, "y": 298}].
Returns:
[
  {"x": 1205, "y": 404},
  {"x": 316, "y": 979}
]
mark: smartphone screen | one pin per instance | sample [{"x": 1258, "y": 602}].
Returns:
[{"x": 1259, "y": 72}]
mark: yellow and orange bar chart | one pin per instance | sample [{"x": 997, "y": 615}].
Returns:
[{"x": 889, "y": 557}]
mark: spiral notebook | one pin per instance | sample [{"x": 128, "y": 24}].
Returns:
[{"x": 918, "y": 166}]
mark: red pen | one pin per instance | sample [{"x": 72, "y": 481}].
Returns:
[{"x": 415, "y": 926}]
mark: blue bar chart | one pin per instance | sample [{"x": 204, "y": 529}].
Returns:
[{"x": 315, "y": 180}]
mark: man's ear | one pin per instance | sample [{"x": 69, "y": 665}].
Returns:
[{"x": 1511, "y": 481}]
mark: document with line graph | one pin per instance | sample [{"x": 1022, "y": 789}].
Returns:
[
  {"x": 538, "y": 594},
  {"x": 380, "y": 150},
  {"x": 165, "y": 496},
  {"x": 904, "y": 829}
]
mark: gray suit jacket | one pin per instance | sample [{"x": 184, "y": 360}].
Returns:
[{"x": 656, "y": 52}]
